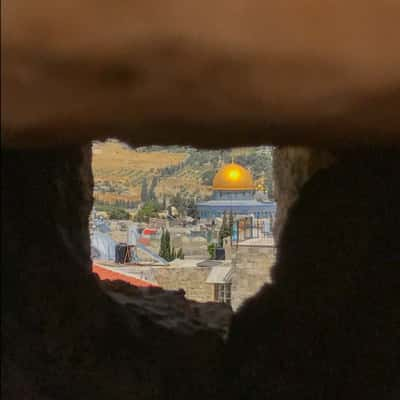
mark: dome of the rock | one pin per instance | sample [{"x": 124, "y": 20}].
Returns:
[
  {"x": 233, "y": 177},
  {"x": 234, "y": 193}
]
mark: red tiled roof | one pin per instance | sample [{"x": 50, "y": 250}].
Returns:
[
  {"x": 105, "y": 273},
  {"x": 144, "y": 240},
  {"x": 149, "y": 231}
]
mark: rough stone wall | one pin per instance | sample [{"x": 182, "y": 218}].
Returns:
[
  {"x": 212, "y": 74},
  {"x": 191, "y": 279},
  {"x": 251, "y": 267},
  {"x": 46, "y": 201},
  {"x": 63, "y": 337},
  {"x": 293, "y": 166},
  {"x": 171, "y": 309},
  {"x": 328, "y": 325}
]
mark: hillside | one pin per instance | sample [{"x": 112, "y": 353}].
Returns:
[{"x": 119, "y": 170}]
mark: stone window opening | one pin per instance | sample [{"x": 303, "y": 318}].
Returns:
[
  {"x": 222, "y": 293},
  {"x": 74, "y": 337},
  {"x": 206, "y": 74}
]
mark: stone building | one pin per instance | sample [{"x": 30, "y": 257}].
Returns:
[
  {"x": 232, "y": 281},
  {"x": 191, "y": 278},
  {"x": 229, "y": 281},
  {"x": 252, "y": 261},
  {"x": 234, "y": 191}
]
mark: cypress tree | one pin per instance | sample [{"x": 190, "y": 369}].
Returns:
[
  {"x": 231, "y": 222},
  {"x": 224, "y": 222},
  {"x": 168, "y": 245},
  {"x": 143, "y": 192},
  {"x": 162, "y": 245},
  {"x": 151, "y": 193},
  {"x": 224, "y": 231},
  {"x": 180, "y": 254},
  {"x": 166, "y": 251}
]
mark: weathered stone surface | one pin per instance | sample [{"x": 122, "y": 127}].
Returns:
[
  {"x": 212, "y": 73},
  {"x": 293, "y": 167},
  {"x": 328, "y": 325},
  {"x": 62, "y": 336},
  {"x": 191, "y": 279},
  {"x": 171, "y": 309},
  {"x": 251, "y": 267}
]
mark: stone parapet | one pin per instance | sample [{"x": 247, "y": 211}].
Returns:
[
  {"x": 191, "y": 279},
  {"x": 251, "y": 266}
]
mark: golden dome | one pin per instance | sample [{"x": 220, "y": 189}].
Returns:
[{"x": 233, "y": 177}]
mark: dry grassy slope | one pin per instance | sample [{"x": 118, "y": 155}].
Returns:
[
  {"x": 191, "y": 177},
  {"x": 124, "y": 168},
  {"x": 116, "y": 159}
]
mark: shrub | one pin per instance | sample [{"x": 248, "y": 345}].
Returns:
[
  {"x": 118, "y": 213},
  {"x": 212, "y": 248},
  {"x": 180, "y": 254},
  {"x": 149, "y": 210},
  {"x": 166, "y": 251}
]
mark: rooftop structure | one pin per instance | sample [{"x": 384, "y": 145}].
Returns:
[{"x": 111, "y": 274}]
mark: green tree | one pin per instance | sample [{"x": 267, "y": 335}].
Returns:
[
  {"x": 151, "y": 193},
  {"x": 148, "y": 210},
  {"x": 180, "y": 254},
  {"x": 225, "y": 230},
  {"x": 191, "y": 208},
  {"x": 185, "y": 203},
  {"x": 166, "y": 251},
  {"x": 162, "y": 252},
  {"x": 178, "y": 202},
  {"x": 144, "y": 192},
  {"x": 208, "y": 176},
  {"x": 118, "y": 213},
  {"x": 212, "y": 247},
  {"x": 231, "y": 221}
]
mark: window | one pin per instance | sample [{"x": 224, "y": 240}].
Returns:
[{"x": 222, "y": 292}]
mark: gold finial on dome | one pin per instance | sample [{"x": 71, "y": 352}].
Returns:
[{"x": 233, "y": 177}]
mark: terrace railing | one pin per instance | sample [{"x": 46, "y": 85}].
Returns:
[{"x": 250, "y": 228}]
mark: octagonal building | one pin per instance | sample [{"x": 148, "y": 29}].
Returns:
[{"x": 234, "y": 191}]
